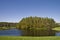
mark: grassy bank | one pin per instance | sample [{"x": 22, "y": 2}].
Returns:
[
  {"x": 6, "y": 28},
  {"x": 29, "y": 38},
  {"x": 3, "y": 28},
  {"x": 57, "y": 28}
]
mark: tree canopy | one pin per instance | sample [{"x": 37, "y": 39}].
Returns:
[{"x": 30, "y": 23}]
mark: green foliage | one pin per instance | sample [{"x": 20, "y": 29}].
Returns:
[
  {"x": 57, "y": 25},
  {"x": 30, "y": 23},
  {"x": 7, "y": 25}
]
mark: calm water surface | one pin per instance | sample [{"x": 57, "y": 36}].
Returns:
[
  {"x": 57, "y": 33},
  {"x": 10, "y": 32},
  {"x": 16, "y": 32}
]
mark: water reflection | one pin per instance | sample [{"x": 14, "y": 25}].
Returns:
[
  {"x": 39, "y": 33},
  {"x": 16, "y": 32}
]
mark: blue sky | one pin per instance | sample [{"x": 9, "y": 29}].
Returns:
[{"x": 15, "y": 10}]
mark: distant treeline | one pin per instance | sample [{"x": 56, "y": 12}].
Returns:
[{"x": 8, "y": 24}]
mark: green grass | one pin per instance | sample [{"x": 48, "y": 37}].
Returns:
[
  {"x": 57, "y": 28},
  {"x": 29, "y": 38}
]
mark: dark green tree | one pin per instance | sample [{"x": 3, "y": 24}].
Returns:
[
  {"x": 36, "y": 23},
  {"x": 33, "y": 24}
]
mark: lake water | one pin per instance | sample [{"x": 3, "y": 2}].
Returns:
[
  {"x": 57, "y": 34},
  {"x": 10, "y": 32},
  {"x": 16, "y": 32}
]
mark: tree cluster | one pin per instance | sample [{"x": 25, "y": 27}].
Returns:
[{"x": 38, "y": 23}]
